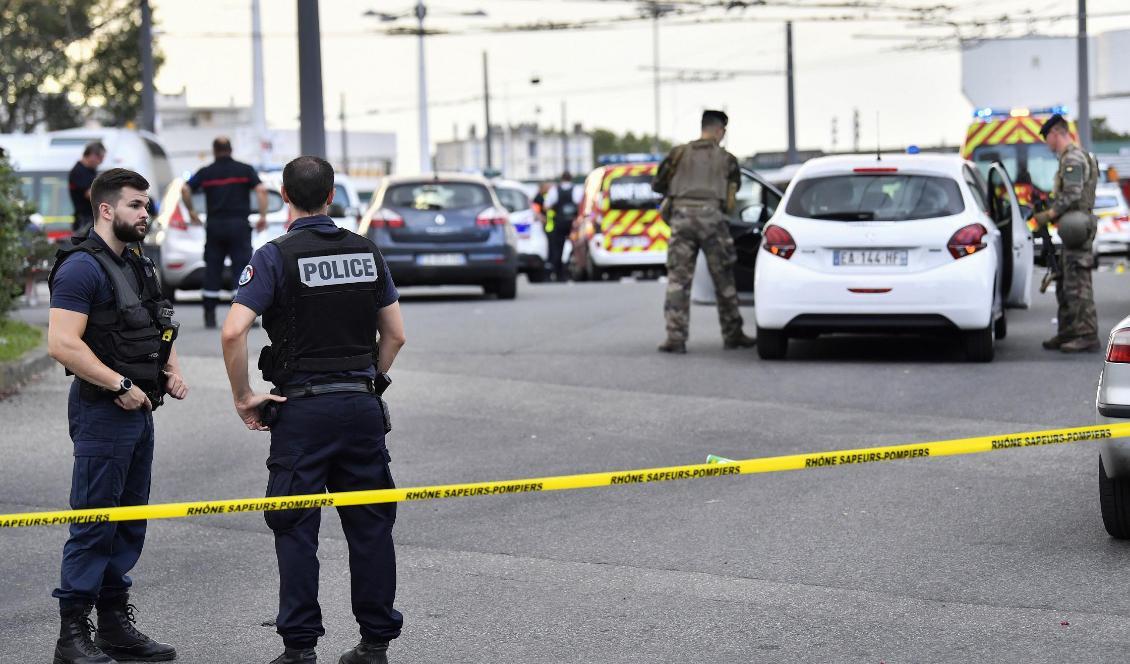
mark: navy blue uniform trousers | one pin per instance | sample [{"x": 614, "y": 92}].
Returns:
[
  {"x": 113, "y": 451},
  {"x": 224, "y": 238},
  {"x": 332, "y": 441}
]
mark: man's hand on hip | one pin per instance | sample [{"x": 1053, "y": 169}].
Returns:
[{"x": 248, "y": 409}]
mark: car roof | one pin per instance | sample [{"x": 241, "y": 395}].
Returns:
[
  {"x": 437, "y": 177},
  {"x": 931, "y": 164}
]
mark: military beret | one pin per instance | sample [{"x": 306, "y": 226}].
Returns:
[
  {"x": 715, "y": 117},
  {"x": 1051, "y": 123}
]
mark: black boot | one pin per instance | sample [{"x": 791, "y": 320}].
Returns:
[
  {"x": 209, "y": 317},
  {"x": 118, "y": 637},
  {"x": 74, "y": 645},
  {"x": 296, "y": 656},
  {"x": 366, "y": 652}
]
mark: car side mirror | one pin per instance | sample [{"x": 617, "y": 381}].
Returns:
[{"x": 336, "y": 210}]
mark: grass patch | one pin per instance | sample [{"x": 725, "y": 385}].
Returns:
[{"x": 17, "y": 338}]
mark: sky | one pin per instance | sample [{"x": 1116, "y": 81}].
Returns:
[{"x": 603, "y": 77}]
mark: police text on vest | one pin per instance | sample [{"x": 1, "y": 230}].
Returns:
[{"x": 337, "y": 269}]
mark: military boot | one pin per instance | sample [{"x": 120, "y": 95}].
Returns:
[
  {"x": 366, "y": 652},
  {"x": 669, "y": 346},
  {"x": 296, "y": 656},
  {"x": 740, "y": 341},
  {"x": 1054, "y": 343},
  {"x": 118, "y": 637},
  {"x": 209, "y": 318},
  {"x": 1080, "y": 345},
  {"x": 74, "y": 645}
]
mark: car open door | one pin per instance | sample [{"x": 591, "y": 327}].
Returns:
[
  {"x": 756, "y": 201},
  {"x": 1016, "y": 241}
]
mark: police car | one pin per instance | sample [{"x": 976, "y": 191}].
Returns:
[
  {"x": 1113, "y": 236},
  {"x": 1112, "y": 401},
  {"x": 902, "y": 243},
  {"x": 533, "y": 245}
]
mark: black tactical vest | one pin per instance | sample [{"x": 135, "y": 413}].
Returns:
[
  {"x": 564, "y": 209},
  {"x": 325, "y": 319},
  {"x": 125, "y": 333}
]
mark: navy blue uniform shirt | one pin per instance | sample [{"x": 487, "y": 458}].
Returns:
[
  {"x": 227, "y": 186},
  {"x": 81, "y": 284},
  {"x": 259, "y": 288},
  {"x": 78, "y": 183}
]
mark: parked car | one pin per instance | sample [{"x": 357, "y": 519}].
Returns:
[
  {"x": 444, "y": 228},
  {"x": 908, "y": 243},
  {"x": 1113, "y": 236},
  {"x": 1112, "y": 401},
  {"x": 533, "y": 245},
  {"x": 346, "y": 208}
]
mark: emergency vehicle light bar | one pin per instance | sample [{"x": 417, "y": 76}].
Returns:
[
  {"x": 631, "y": 158},
  {"x": 988, "y": 113}
]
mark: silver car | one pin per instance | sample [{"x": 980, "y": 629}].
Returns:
[{"x": 1113, "y": 404}]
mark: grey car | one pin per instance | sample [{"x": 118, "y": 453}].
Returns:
[{"x": 1113, "y": 404}]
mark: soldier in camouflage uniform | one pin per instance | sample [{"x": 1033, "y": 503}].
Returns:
[
  {"x": 700, "y": 181},
  {"x": 1072, "y": 204}
]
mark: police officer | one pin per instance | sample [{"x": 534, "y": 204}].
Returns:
[
  {"x": 700, "y": 181},
  {"x": 1073, "y": 199},
  {"x": 227, "y": 186},
  {"x": 78, "y": 185},
  {"x": 325, "y": 295},
  {"x": 561, "y": 205},
  {"x": 111, "y": 329}
]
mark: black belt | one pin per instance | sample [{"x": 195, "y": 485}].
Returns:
[{"x": 314, "y": 389}]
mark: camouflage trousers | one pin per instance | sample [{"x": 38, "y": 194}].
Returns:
[
  {"x": 1076, "y": 297},
  {"x": 692, "y": 228}
]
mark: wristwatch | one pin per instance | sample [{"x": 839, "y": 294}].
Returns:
[{"x": 125, "y": 386}]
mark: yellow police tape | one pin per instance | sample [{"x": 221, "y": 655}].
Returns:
[{"x": 581, "y": 481}]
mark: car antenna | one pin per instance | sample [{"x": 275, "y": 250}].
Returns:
[{"x": 878, "y": 150}]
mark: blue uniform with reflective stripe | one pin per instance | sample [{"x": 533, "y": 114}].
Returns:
[{"x": 227, "y": 185}]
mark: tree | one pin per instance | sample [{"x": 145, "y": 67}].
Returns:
[
  {"x": 13, "y": 218},
  {"x": 112, "y": 76},
  {"x": 1101, "y": 131},
  {"x": 606, "y": 142}
]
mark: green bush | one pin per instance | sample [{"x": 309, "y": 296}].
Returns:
[{"x": 14, "y": 213}]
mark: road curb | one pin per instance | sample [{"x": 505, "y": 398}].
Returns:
[{"x": 16, "y": 373}]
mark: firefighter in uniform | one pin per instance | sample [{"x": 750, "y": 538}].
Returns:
[
  {"x": 325, "y": 295},
  {"x": 700, "y": 181},
  {"x": 1073, "y": 200},
  {"x": 110, "y": 327},
  {"x": 561, "y": 205},
  {"x": 227, "y": 185}
]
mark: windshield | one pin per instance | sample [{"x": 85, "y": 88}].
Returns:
[
  {"x": 1042, "y": 166},
  {"x": 1105, "y": 202},
  {"x": 875, "y": 198},
  {"x": 437, "y": 195},
  {"x": 632, "y": 192},
  {"x": 514, "y": 200},
  {"x": 48, "y": 194},
  {"x": 1007, "y": 155},
  {"x": 1025, "y": 163}
]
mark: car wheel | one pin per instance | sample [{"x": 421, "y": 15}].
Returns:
[
  {"x": 537, "y": 275},
  {"x": 505, "y": 289},
  {"x": 978, "y": 344},
  {"x": 595, "y": 273},
  {"x": 1000, "y": 327},
  {"x": 1114, "y": 502},
  {"x": 772, "y": 344}
]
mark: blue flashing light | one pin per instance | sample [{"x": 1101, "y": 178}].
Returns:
[
  {"x": 630, "y": 158},
  {"x": 912, "y": 149},
  {"x": 987, "y": 113}
]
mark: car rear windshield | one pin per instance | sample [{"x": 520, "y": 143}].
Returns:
[
  {"x": 632, "y": 192},
  {"x": 875, "y": 197},
  {"x": 514, "y": 200},
  {"x": 437, "y": 195},
  {"x": 1106, "y": 202}
]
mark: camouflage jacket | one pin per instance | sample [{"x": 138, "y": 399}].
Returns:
[{"x": 1075, "y": 182}]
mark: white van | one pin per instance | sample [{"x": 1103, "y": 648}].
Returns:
[{"x": 43, "y": 161}]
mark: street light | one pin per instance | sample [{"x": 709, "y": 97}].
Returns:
[{"x": 420, "y": 11}]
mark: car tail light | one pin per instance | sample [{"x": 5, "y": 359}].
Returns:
[
  {"x": 876, "y": 169},
  {"x": 176, "y": 220},
  {"x": 492, "y": 217},
  {"x": 778, "y": 242},
  {"x": 967, "y": 240},
  {"x": 385, "y": 217},
  {"x": 1119, "y": 349}
]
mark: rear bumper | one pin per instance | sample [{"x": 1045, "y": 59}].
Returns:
[
  {"x": 601, "y": 257},
  {"x": 1115, "y": 452},
  {"x": 483, "y": 264}
]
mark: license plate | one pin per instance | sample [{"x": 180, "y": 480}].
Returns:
[
  {"x": 441, "y": 260},
  {"x": 630, "y": 241},
  {"x": 869, "y": 257}
]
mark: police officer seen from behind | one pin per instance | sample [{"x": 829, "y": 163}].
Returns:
[
  {"x": 561, "y": 205},
  {"x": 227, "y": 186},
  {"x": 332, "y": 314},
  {"x": 111, "y": 329},
  {"x": 78, "y": 185},
  {"x": 1073, "y": 200},
  {"x": 700, "y": 181}
]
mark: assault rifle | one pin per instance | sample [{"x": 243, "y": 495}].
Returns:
[{"x": 1050, "y": 255}]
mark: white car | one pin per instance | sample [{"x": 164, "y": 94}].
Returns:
[
  {"x": 1112, "y": 401},
  {"x": 909, "y": 243},
  {"x": 346, "y": 208},
  {"x": 1113, "y": 236},
  {"x": 533, "y": 246}
]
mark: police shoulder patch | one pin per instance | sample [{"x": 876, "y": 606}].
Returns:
[{"x": 247, "y": 275}]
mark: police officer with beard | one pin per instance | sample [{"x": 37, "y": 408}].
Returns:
[
  {"x": 110, "y": 327},
  {"x": 330, "y": 309}
]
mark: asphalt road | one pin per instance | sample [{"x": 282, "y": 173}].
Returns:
[{"x": 998, "y": 557}]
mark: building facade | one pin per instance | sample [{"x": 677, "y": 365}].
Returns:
[{"x": 523, "y": 152}]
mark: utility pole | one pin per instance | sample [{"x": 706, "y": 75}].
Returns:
[
  {"x": 564, "y": 140},
  {"x": 145, "y": 46},
  {"x": 655, "y": 11},
  {"x": 1083, "y": 61},
  {"x": 258, "y": 91},
  {"x": 790, "y": 154},
  {"x": 855, "y": 130},
  {"x": 835, "y": 133},
  {"x": 422, "y": 85},
  {"x": 311, "y": 114},
  {"x": 344, "y": 139},
  {"x": 486, "y": 104}
]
